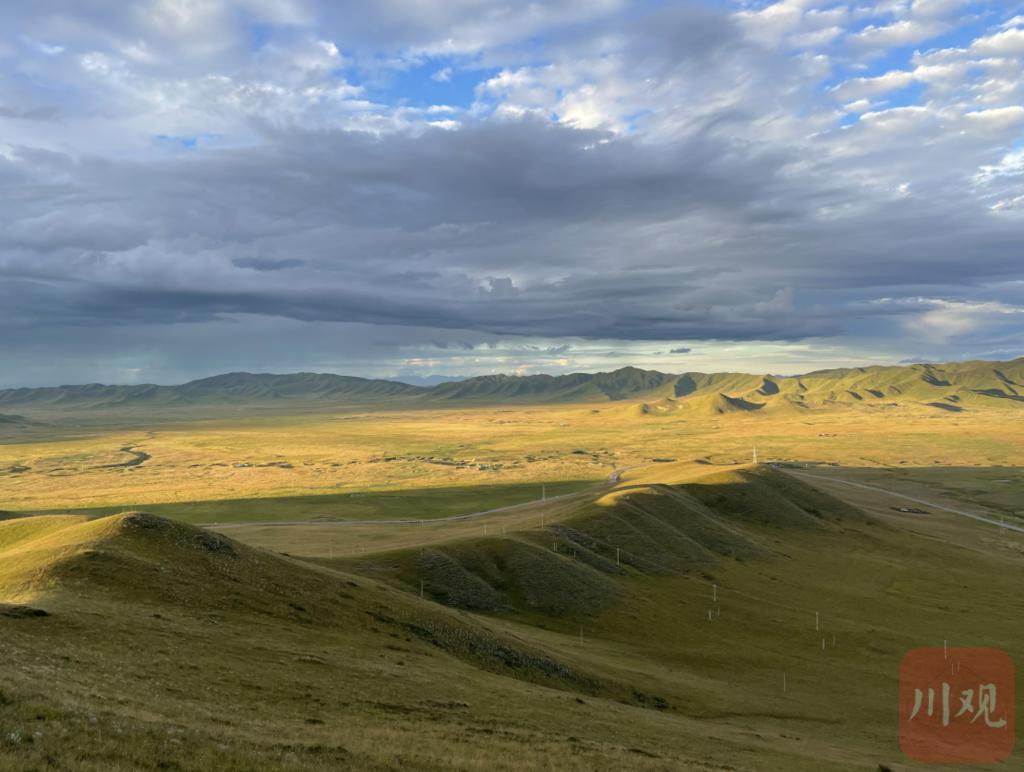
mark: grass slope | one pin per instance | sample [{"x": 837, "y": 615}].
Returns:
[
  {"x": 144, "y": 561},
  {"x": 180, "y": 648},
  {"x": 954, "y": 386},
  {"x": 221, "y": 389},
  {"x": 14, "y": 420},
  {"x": 659, "y": 529}
]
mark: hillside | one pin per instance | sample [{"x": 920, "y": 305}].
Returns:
[
  {"x": 62, "y": 563},
  {"x": 951, "y": 387},
  {"x": 14, "y": 420},
  {"x": 230, "y": 388},
  {"x": 646, "y": 627},
  {"x": 658, "y": 529},
  {"x": 577, "y": 387}
]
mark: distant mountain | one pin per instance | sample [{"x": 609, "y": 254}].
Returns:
[
  {"x": 577, "y": 387},
  {"x": 14, "y": 420},
  {"x": 950, "y": 387},
  {"x": 228, "y": 388}
]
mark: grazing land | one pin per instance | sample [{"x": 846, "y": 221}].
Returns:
[{"x": 656, "y": 610}]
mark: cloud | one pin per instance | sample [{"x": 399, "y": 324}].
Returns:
[
  {"x": 630, "y": 175},
  {"x": 680, "y": 350},
  {"x": 1008, "y": 42},
  {"x": 859, "y": 88},
  {"x": 266, "y": 264},
  {"x": 938, "y": 320}
]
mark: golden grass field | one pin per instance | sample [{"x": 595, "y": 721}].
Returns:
[
  {"x": 273, "y": 467},
  {"x": 501, "y": 641}
]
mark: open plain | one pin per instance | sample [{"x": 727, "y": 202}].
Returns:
[{"x": 569, "y": 584}]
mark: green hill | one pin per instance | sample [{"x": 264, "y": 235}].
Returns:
[
  {"x": 951, "y": 387},
  {"x": 14, "y": 420},
  {"x": 231, "y": 388},
  {"x": 695, "y": 617},
  {"x": 657, "y": 529},
  {"x": 65, "y": 563},
  {"x": 577, "y": 387}
]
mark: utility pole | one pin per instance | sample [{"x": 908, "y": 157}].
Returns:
[{"x": 755, "y": 454}]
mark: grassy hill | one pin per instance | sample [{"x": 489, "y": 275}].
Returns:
[
  {"x": 14, "y": 420},
  {"x": 952, "y": 387},
  {"x": 220, "y": 389},
  {"x": 11, "y": 419},
  {"x": 184, "y": 633},
  {"x": 577, "y": 387},
  {"x": 658, "y": 530},
  {"x": 648, "y": 627}
]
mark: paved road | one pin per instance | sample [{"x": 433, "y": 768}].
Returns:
[
  {"x": 932, "y": 504},
  {"x": 615, "y": 477}
]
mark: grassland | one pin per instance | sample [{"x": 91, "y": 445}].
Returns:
[
  {"x": 279, "y": 464},
  {"x": 176, "y": 647},
  {"x": 568, "y": 634}
]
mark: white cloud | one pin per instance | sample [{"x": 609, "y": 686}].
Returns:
[
  {"x": 905, "y": 32},
  {"x": 947, "y": 319},
  {"x": 798, "y": 23},
  {"x": 859, "y": 88},
  {"x": 997, "y": 118},
  {"x": 1008, "y": 42}
]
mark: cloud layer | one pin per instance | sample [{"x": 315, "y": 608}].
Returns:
[{"x": 805, "y": 173}]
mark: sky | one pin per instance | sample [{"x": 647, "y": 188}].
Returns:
[{"x": 408, "y": 188}]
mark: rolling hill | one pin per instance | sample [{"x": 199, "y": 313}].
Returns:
[
  {"x": 14, "y": 420},
  {"x": 255, "y": 659},
  {"x": 669, "y": 623},
  {"x": 950, "y": 387},
  {"x": 657, "y": 529},
  {"x": 217, "y": 390}
]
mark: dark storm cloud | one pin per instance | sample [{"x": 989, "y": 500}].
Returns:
[
  {"x": 266, "y": 264},
  {"x": 634, "y": 177},
  {"x": 411, "y": 230}
]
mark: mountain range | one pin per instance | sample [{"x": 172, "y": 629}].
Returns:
[{"x": 952, "y": 387}]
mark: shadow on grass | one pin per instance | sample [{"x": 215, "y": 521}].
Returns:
[{"x": 421, "y": 503}]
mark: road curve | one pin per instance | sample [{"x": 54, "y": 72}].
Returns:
[{"x": 932, "y": 504}]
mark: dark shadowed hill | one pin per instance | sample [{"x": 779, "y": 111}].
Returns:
[
  {"x": 620, "y": 384},
  {"x": 14, "y": 420},
  {"x": 228, "y": 388},
  {"x": 950, "y": 387}
]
